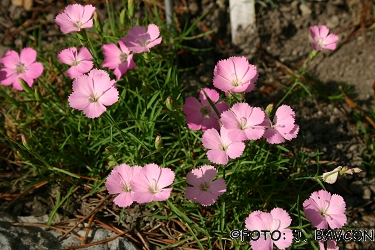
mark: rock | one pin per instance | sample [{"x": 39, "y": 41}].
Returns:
[{"x": 305, "y": 11}]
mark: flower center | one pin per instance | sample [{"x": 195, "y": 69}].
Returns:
[
  {"x": 78, "y": 24},
  {"x": 20, "y": 68},
  {"x": 75, "y": 62},
  {"x": 153, "y": 189},
  {"x": 126, "y": 187},
  {"x": 243, "y": 123},
  {"x": 205, "y": 186},
  {"x": 123, "y": 57},
  {"x": 94, "y": 97},
  {"x": 205, "y": 111},
  {"x": 320, "y": 42},
  {"x": 236, "y": 82}
]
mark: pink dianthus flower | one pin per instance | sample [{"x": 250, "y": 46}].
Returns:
[
  {"x": 204, "y": 190},
  {"x": 92, "y": 92},
  {"x": 118, "y": 59},
  {"x": 321, "y": 38},
  {"x": 324, "y": 209},
  {"x": 75, "y": 17},
  {"x": 18, "y": 67},
  {"x": 149, "y": 184},
  {"x": 221, "y": 146},
  {"x": 118, "y": 182},
  {"x": 235, "y": 74},
  {"x": 282, "y": 128},
  {"x": 80, "y": 62},
  {"x": 277, "y": 219},
  {"x": 244, "y": 122},
  {"x": 141, "y": 40},
  {"x": 200, "y": 115}
]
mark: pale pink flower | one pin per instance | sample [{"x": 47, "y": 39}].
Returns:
[
  {"x": 282, "y": 128},
  {"x": 141, "y": 40},
  {"x": 80, "y": 62},
  {"x": 331, "y": 245},
  {"x": 235, "y": 74},
  {"x": 277, "y": 219},
  {"x": 118, "y": 182},
  {"x": 149, "y": 184},
  {"x": 244, "y": 122},
  {"x": 118, "y": 59},
  {"x": 75, "y": 17},
  {"x": 92, "y": 92},
  {"x": 321, "y": 38},
  {"x": 20, "y": 66},
  {"x": 200, "y": 115},
  {"x": 331, "y": 177},
  {"x": 324, "y": 209},
  {"x": 221, "y": 146},
  {"x": 204, "y": 190}
]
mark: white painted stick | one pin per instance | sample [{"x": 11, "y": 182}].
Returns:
[{"x": 242, "y": 19}]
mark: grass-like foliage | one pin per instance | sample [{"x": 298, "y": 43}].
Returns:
[{"x": 105, "y": 108}]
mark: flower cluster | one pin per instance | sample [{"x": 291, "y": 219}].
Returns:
[
  {"x": 239, "y": 123},
  {"x": 322, "y": 209},
  {"x": 139, "y": 184}
]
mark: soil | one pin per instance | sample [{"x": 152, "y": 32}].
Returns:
[{"x": 280, "y": 45}]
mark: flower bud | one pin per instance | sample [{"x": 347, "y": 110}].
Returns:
[
  {"x": 158, "y": 143},
  {"x": 97, "y": 24},
  {"x": 169, "y": 103},
  {"x": 131, "y": 8},
  {"x": 24, "y": 141},
  {"x": 269, "y": 109}
]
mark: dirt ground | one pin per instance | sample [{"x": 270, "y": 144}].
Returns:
[{"x": 280, "y": 45}]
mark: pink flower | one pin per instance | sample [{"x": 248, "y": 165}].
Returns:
[
  {"x": 141, "y": 40},
  {"x": 283, "y": 126},
  {"x": 331, "y": 245},
  {"x": 75, "y": 17},
  {"x": 324, "y": 209},
  {"x": 118, "y": 59},
  {"x": 20, "y": 66},
  {"x": 204, "y": 190},
  {"x": 221, "y": 146},
  {"x": 200, "y": 115},
  {"x": 235, "y": 74},
  {"x": 149, "y": 184},
  {"x": 244, "y": 122},
  {"x": 92, "y": 92},
  {"x": 277, "y": 219},
  {"x": 321, "y": 38},
  {"x": 80, "y": 62},
  {"x": 118, "y": 182}
]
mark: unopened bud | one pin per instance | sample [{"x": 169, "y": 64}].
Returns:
[
  {"x": 131, "y": 8},
  {"x": 145, "y": 89},
  {"x": 169, "y": 103},
  {"x": 97, "y": 24},
  {"x": 24, "y": 141},
  {"x": 158, "y": 143},
  {"x": 269, "y": 109}
]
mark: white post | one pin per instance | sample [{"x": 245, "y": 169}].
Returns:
[{"x": 242, "y": 19}]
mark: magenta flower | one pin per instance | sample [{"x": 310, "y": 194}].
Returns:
[
  {"x": 204, "y": 190},
  {"x": 331, "y": 245},
  {"x": 321, "y": 38},
  {"x": 75, "y": 17},
  {"x": 118, "y": 182},
  {"x": 141, "y": 40},
  {"x": 244, "y": 122},
  {"x": 277, "y": 219},
  {"x": 149, "y": 184},
  {"x": 92, "y": 92},
  {"x": 282, "y": 128},
  {"x": 221, "y": 146},
  {"x": 235, "y": 74},
  {"x": 324, "y": 209},
  {"x": 200, "y": 115},
  {"x": 80, "y": 62},
  {"x": 118, "y": 59},
  {"x": 20, "y": 66}
]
